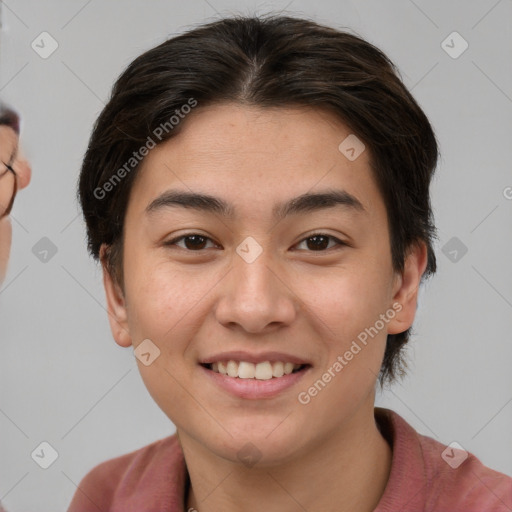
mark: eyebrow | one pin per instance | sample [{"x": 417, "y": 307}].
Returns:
[{"x": 302, "y": 204}]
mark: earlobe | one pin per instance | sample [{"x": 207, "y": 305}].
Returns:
[
  {"x": 405, "y": 292},
  {"x": 116, "y": 305}
]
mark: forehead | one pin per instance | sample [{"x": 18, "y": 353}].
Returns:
[
  {"x": 255, "y": 155},
  {"x": 235, "y": 131}
]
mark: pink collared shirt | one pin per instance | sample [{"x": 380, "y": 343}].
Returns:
[{"x": 425, "y": 476}]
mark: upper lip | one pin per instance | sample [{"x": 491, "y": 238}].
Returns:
[{"x": 241, "y": 355}]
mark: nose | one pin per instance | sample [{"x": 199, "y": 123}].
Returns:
[
  {"x": 23, "y": 171},
  {"x": 256, "y": 297}
]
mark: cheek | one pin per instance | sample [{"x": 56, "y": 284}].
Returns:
[
  {"x": 349, "y": 305},
  {"x": 354, "y": 339},
  {"x": 164, "y": 304},
  {"x": 347, "y": 299},
  {"x": 161, "y": 306}
]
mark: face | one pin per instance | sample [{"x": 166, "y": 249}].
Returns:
[
  {"x": 284, "y": 275},
  {"x": 9, "y": 155}
]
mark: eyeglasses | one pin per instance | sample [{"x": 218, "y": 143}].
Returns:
[{"x": 8, "y": 188}]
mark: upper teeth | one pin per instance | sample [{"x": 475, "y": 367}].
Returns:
[{"x": 261, "y": 371}]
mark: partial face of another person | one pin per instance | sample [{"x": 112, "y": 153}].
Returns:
[
  {"x": 273, "y": 277},
  {"x": 10, "y": 160}
]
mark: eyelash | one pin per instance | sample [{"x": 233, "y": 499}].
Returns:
[{"x": 339, "y": 242}]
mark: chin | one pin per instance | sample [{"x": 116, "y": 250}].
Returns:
[
  {"x": 258, "y": 452},
  {"x": 268, "y": 443}
]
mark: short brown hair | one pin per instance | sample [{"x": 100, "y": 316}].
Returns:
[{"x": 271, "y": 61}]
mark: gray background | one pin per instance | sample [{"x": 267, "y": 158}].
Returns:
[{"x": 63, "y": 379}]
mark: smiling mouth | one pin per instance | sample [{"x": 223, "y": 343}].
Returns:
[{"x": 265, "y": 370}]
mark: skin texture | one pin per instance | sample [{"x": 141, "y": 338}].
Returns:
[
  {"x": 9, "y": 153},
  {"x": 328, "y": 454}
]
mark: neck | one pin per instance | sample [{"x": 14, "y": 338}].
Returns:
[{"x": 345, "y": 471}]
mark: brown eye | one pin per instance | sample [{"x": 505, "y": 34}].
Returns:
[
  {"x": 320, "y": 242},
  {"x": 192, "y": 242}
]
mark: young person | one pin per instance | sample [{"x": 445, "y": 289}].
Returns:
[
  {"x": 15, "y": 174},
  {"x": 257, "y": 191}
]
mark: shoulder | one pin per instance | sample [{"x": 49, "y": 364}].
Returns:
[
  {"x": 110, "y": 481},
  {"x": 429, "y": 475},
  {"x": 459, "y": 478}
]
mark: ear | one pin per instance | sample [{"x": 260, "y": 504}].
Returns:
[
  {"x": 406, "y": 287},
  {"x": 116, "y": 305}
]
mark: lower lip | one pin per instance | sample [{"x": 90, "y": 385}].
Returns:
[{"x": 254, "y": 389}]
